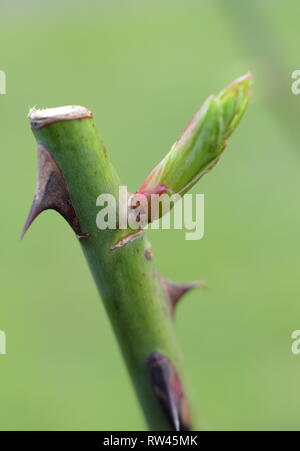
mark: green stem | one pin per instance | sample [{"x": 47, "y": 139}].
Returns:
[
  {"x": 131, "y": 289},
  {"x": 74, "y": 169}
]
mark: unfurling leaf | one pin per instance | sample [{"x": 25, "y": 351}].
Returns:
[{"x": 203, "y": 140}]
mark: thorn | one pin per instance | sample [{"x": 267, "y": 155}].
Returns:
[
  {"x": 51, "y": 193},
  {"x": 175, "y": 291},
  {"x": 168, "y": 390}
]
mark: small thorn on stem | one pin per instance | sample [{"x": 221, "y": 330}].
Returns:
[
  {"x": 175, "y": 291},
  {"x": 168, "y": 390},
  {"x": 52, "y": 194}
]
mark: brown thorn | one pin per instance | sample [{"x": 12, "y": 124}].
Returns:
[
  {"x": 175, "y": 291},
  {"x": 52, "y": 193},
  {"x": 168, "y": 390}
]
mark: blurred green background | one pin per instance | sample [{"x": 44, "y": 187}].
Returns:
[{"x": 144, "y": 67}]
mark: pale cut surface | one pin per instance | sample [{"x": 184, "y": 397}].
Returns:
[{"x": 41, "y": 118}]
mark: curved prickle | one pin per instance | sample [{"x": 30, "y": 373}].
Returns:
[
  {"x": 175, "y": 291},
  {"x": 51, "y": 193},
  {"x": 169, "y": 392}
]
